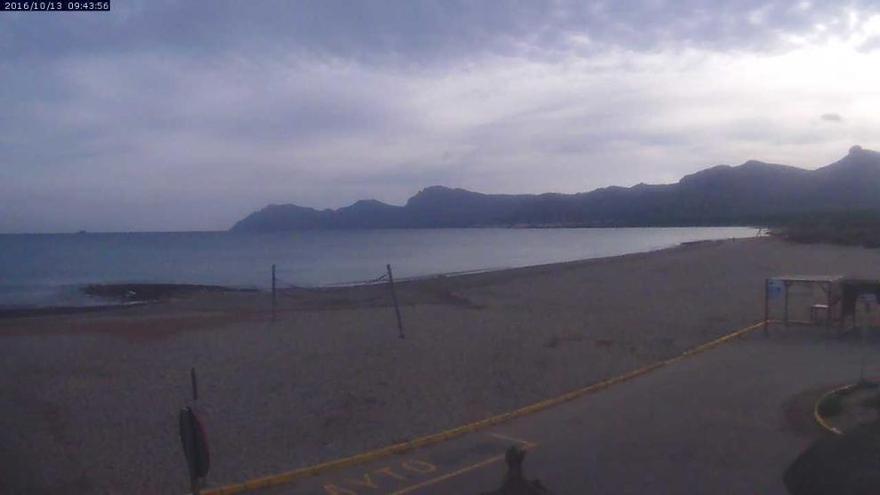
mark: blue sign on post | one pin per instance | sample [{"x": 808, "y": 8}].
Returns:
[{"x": 775, "y": 288}]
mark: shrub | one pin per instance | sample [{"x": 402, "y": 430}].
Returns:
[{"x": 831, "y": 405}]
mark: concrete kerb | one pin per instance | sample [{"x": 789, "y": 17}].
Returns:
[{"x": 821, "y": 419}]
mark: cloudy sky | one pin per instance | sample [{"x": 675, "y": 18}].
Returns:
[{"x": 180, "y": 115}]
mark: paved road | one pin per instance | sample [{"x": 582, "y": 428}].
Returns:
[{"x": 726, "y": 421}]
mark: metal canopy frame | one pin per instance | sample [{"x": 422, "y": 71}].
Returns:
[
  {"x": 826, "y": 282},
  {"x": 851, "y": 290}
]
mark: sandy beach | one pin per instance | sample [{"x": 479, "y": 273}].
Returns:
[{"x": 90, "y": 400}]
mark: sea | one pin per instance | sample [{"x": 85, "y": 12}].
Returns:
[{"x": 43, "y": 270}]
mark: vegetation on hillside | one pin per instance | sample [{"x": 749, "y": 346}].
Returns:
[{"x": 854, "y": 228}]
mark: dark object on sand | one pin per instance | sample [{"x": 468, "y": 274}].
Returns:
[
  {"x": 195, "y": 447},
  {"x": 843, "y": 464},
  {"x": 852, "y": 289},
  {"x": 396, "y": 305},
  {"x": 515, "y": 482},
  {"x": 151, "y": 292}
]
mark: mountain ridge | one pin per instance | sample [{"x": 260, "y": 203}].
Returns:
[{"x": 721, "y": 195}]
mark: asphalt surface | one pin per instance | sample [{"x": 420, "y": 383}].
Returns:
[{"x": 729, "y": 420}]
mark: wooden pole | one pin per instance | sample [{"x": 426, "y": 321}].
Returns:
[
  {"x": 195, "y": 384},
  {"x": 273, "y": 293},
  {"x": 766, "y": 305},
  {"x": 785, "y": 318},
  {"x": 828, "y": 303},
  {"x": 394, "y": 299},
  {"x": 194, "y": 484},
  {"x": 855, "y": 314},
  {"x": 192, "y": 438}
]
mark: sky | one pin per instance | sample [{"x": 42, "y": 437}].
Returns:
[{"x": 188, "y": 115}]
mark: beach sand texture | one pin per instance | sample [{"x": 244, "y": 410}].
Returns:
[{"x": 90, "y": 401}]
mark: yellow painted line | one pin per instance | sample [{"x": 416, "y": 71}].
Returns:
[
  {"x": 819, "y": 418},
  {"x": 306, "y": 472},
  {"x": 459, "y": 472},
  {"x": 445, "y": 477},
  {"x": 525, "y": 443}
]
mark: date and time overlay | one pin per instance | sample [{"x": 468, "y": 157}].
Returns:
[{"x": 54, "y": 6}]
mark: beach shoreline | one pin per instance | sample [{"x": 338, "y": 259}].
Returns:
[
  {"x": 116, "y": 296},
  {"x": 46, "y": 273},
  {"x": 329, "y": 376}
]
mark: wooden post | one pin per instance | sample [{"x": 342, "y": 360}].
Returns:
[
  {"x": 855, "y": 313},
  {"x": 394, "y": 299},
  {"x": 785, "y": 317},
  {"x": 273, "y": 293},
  {"x": 195, "y": 448},
  {"x": 195, "y": 483},
  {"x": 194, "y": 441},
  {"x": 766, "y": 304},
  {"x": 195, "y": 384},
  {"x": 828, "y": 303}
]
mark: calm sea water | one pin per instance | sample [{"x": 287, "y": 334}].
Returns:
[{"x": 42, "y": 270}]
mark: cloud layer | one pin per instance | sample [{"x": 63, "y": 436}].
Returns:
[{"x": 183, "y": 115}]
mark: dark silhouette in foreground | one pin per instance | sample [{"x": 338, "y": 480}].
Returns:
[
  {"x": 838, "y": 465},
  {"x": 515, "y": 482}
]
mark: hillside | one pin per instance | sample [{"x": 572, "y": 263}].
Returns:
[{"x": 754, "y": 192}]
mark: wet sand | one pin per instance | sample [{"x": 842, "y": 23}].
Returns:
[{"x": 90, "y": 400}]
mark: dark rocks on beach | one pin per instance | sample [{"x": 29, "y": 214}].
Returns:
[{"x": 148, "y": 292}]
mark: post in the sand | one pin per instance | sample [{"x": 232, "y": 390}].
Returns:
[
  {"x": 766, "y": 305},
  {"x": 194, "y": 440},
  {"x": 195, "y": 384},
  {"x": 394, "y": 299},
  {"x": 195, "y": 448},
  {"x": 273, "y": 292}
]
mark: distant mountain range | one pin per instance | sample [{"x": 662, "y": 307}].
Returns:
[{"x": 752, "y": 193}]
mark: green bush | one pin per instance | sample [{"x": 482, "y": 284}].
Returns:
[
  {"x": 853, "y": 228},
  {"x": 831, "y": 405}
]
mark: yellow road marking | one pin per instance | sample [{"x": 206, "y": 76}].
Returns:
[
  {"x": 459, "y": 472},
  {"x": 445, "y": 477},
  {"x": 287, "y": 477},
  {"x": 525, "y": 443}
]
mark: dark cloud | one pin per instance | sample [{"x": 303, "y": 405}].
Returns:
[
  {"x": 169, "y": 114},
  {"x": 412, "y": 32}
]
